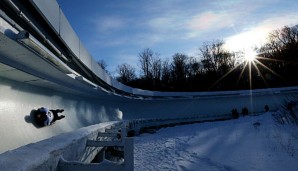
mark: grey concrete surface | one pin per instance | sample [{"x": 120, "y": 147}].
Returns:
[{"x": 18, "y": 100}]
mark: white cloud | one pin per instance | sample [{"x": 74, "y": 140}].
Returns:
[
  {"x": 257, "y": 35},
  {"x": 162, "y": 23},
  {"x": 109, "y": 23},
  {"x": 208, "y": 21},
  {"x": 247, "y": 39}
]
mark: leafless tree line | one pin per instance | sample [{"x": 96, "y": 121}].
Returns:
[{"x": 216, "y": 68}]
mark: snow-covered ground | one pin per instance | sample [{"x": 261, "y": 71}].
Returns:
[{"x": 226, "y": 145}]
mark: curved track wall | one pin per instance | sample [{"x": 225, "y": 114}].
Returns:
[
  {"x": 19, "y": 99},
  {"x": 30, "y": 79}
]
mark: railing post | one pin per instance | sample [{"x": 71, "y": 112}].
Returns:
[
  {"x": 128, "y": 154},
  {"x": 123, "y": 133}
]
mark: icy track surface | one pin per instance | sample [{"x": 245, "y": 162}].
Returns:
[{"x": 224, "y": 146}]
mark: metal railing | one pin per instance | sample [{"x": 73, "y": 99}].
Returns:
[
  {"x": 114, "y": 137},
  {"x": 139, "y": 126}
]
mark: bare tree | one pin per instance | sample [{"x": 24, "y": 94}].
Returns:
[
  {"x": 193, "y": 67},
  {"x": 126, "y": 73},
  {"x": 280, "y": 54},
  {"x": 145, "y": 61},
  {"x": 282, "y": 44},
  {"x": 166, "y": 72},
  {"x": 156, "y": 68},
  {"x": 179, "y": 66},
  {"x": 215, "y": 58},
  {"x": 206, "y": 57}
]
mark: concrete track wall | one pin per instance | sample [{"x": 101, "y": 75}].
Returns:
[{"x": 18, "y": 100}]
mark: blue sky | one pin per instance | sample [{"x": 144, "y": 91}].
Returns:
[{"x": 117, "y": 30}]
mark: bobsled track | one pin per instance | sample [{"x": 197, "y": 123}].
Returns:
[{"x": 44, "y": 63}]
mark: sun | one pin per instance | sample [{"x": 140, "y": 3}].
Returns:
[{"x": 250, "y": 55}]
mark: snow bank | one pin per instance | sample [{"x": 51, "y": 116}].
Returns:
[{"x": 226, "y": 145}]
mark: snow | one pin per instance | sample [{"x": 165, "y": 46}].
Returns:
[
  {"x": 44, "y": 155},
  {"x": 226, "y": 145}
]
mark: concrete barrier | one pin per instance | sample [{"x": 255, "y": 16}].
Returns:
[
  {"x": 45, "y": 155},
  {"x": 76, "y": 150}
]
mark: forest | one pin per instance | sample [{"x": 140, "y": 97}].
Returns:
[{"x": 216, "y": 68}]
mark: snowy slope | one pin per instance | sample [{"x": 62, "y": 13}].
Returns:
[{"x": 226, "y": 145}]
